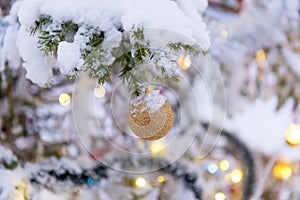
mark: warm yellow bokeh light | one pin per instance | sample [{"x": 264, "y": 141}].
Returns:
[
  {"x": 220, "y": 196},
  {"x": 23, "y": 185},
  {"x": 157, "y": 148},
  {"x": 161, "y": 179},
  {"x": 64, "y": 99},
  {"x": 260, "y": 55},
  {"x": 293, "y": 135},
  {"x": 19, "y": 196},
  {"x": 99, "y": 92},
  {"x": 20, "y": 191},
  {"x": 184, "y": 62},
  {"x": 224, "y": 165},
  {"x": 224, "y": 34},
  {"x": 140, "y": 182},
  {"x": 236, "y": 176},
  {"x": 282, "y": 170}
]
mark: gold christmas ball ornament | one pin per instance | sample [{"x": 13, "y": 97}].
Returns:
[{"x": 150, "y": 116}]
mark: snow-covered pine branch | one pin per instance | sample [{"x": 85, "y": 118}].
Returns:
[{"x": 89, "y": 35}]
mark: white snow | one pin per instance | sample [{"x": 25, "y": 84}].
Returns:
[
  {"x": 204, "y": 100},
  {"x": 153, "y": 101},
  {"x": 46, "y": 194},
  {"x": 29, "y": 12},
  {"x": 69, "y": 57},
  {"x": 293, "y": 59},
  {"x": 151, "y": 13},
  {"x": 263, "y": 128},
  {"x": 7, "y": 155},
  {"x": 9, "y": 52},
  {"x": 293, "y": 8},
  {"x": 24, "y": 142},
  {"x": 38, "y": 66},
  {"x": 61, "y": 165},
  {"x": 9, "y": 179},
  {"x": 9, "y": 49}
]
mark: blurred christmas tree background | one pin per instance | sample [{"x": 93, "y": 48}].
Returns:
[{"x": 64, "y": 130}]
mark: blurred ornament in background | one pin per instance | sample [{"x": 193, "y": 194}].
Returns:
[
  {"x": 292, "y": 136},
  {"x": 282, "y": 170}
]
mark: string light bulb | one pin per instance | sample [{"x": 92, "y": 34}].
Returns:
[
  {"x": 236, "y": 176},
  {"x": 157, "y": 148},
  {"x": 64, "y": 99},
  {"x": 19, "y": 196},
  {"x": 99, "y": 92},
  {"x": 140, "y": 182},
  {"x": 212, "y": 168},
  {"x": 292, "y": 136},
  {"x": 220, "y": 196},
  {"x": 224, "y": 165},
  {"x": 282, "y": 170},
  {"x": 224, "y": 34},
  {"x": 184, "y": 62},
  {"x": 161, "y": 179},
  {"x": 260, "y": 55}
]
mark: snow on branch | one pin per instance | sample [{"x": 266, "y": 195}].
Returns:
[{"x": 97, "y": 35}]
